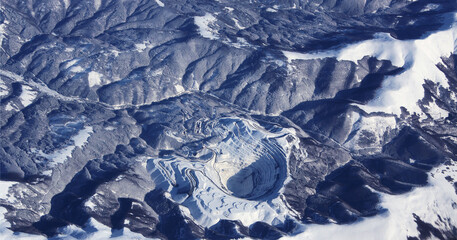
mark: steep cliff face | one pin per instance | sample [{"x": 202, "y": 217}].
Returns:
[{"x": 221, "y": 119}]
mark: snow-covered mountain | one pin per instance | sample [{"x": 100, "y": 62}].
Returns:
[{"x": 172, "y": 119}]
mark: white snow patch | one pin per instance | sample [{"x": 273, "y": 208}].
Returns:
[
  {"x": 40, "y": 86},
  {"x": 179, "y": 88},
  {"x": 10, "y": 106},
  {"x": 160, "y": 3},
  {"x": 71, "y": 63},
  {"x": 271, "y": 10},
  {"x": 398, "y": 222},
  {"x": 157, "y": 72},
  {"x": 237, "y": 24},
  {"x": 2, "y": 34},
  {"x": 110, "y": 128},
  {"x": 204, "y": 23},
  {"x": 430, "y": 6},
  {"x": 4, "y": 187},
  {"x": 27, "y": 96},
  {"x": 92, "y": 230},
  {"x": 76, "y": 69},
  {"x": 240, "y": 43},
  {"x": 61, "y": 155},
  {"x": 115, "y": 52},
  {"x": 418, "y": 57},
  {"x": 90, "y": 204},
  {"x": 101, "y": 232},
  {"x": 94, "y": 78},
  {"x": 436, "y": 112},
  {"x": 97, "y": 4},
  {"x": 4, "y": 90},
  {"x": 119, "y": 178},
  {"x": 66, "y": 3},
  {"x": 140, "y": 47},
  {"x": 5, "y": 233},
  {"x": 374, "y": 126}
]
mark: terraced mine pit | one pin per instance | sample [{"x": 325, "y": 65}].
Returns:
[
  {"x": 248, "y": 163},
  {"x": 239, "y": 165}
]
